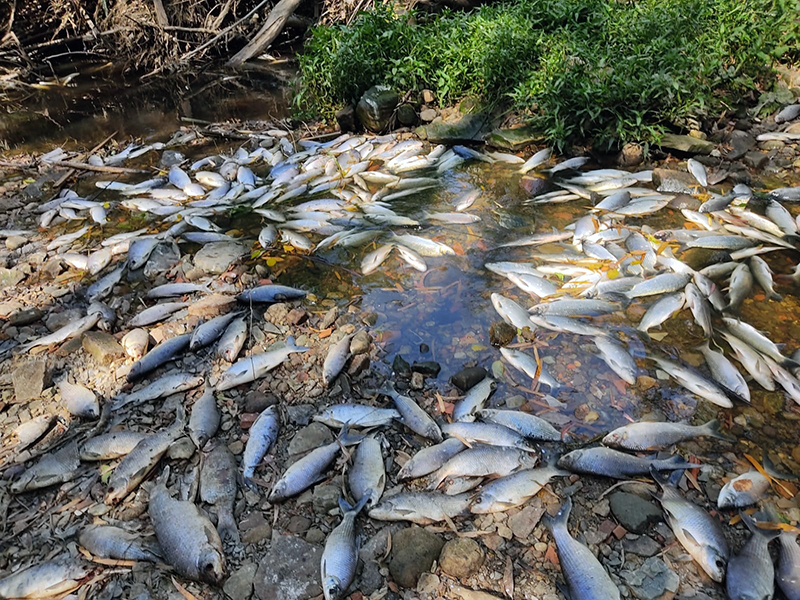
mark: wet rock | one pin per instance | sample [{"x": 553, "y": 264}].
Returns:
[
  {"x": 672, "y": 181},
  {"x": 406, "y": 115},
  {"x": 756, "y": 160},
  {"x": 469, "y": 377},
  {"x": 400, "y": 366},
  {"x": 215, "y": 258},
  {"x": 255, "y": 528},
  {"x": 634, "y": 513},
  {"x": 741, "y": 143},
  {"x": 514, "y": 138},
  {"x": 376, "y": 107},
  {"x": 358, "y": 365},
  {"x": 686, "y": 143},
  {"x": 9, "y": 277},
  {"x": 163, "y": 257},
  {"x": 360, "y": 343},
  {"x": 300, "y": 414},
  {"x": 429, "y": 368},
  {"x": 25, "y": 316},
  {"x": 501, "y": 333},
  {"x": 329, "y": 318},
  {"x": 642, "y": 545},
  {"x": 413, "y": 552},
  {"x": 326, "y": 498},
  {"x": 29, "y": 380},
  {"x": 654, "y": 580},
  {"x": 461, "y": 558},
  {"x": 289, "y": 570},
  {"x": 631, "y": 155},
  {"x": 417, "y": 381},
  {"x": 256, "y": 402},
  {"x": 239, "y": 586},
  {"x": 459, "y": 128},
  {"x": 182, "y": 449},
  {"x": 310, "y": 437},
  {"x": 103, "y": 347},
  {"x": 525, "y": 521},
  {"x": 346, "y": 118},
  {"x": 296, "y": 316},
  {"x": 57, "y": 320}
]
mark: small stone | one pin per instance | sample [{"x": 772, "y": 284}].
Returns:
[
  {"x": 406, "y": 115},
  {"x": 654, "y": 580},
  {"x": 102, "y": 346},
  {"x": 428, "y": 96},
  {"x": 424, "y": 348},
  {"x": 756, "y": 160},
  {"x": 525, "y": 521},
  {"x": 216, "y": 257},
  {"x": 315, "y": 536},
  {"x": 296, "y": 316},
  {"x": 673, "y": 181},
  {"x": 236, "y": 447},
  {"x": 358, "y": 365},
  {"x": 516, "y": 401},
  {"x": 29, "y": 380},
  {"x": 310, "y": 437},
  {"x": 631, "y": 155},
  {"x": 417, "y": 381},
  {"x": 15, "y": 241},
  {"x": 289, "y": 570},
  {"x": 257, "y": 402},
  {"x": 400, "y": 366},
  {"x": 697, "y": 134},
  {"x": 429, "y": 368},
  {"x": 360, "y": 343},
  {"x": 634, "y": 513},
  {"x": 515, "y": 138},
  {"x": 427, "y": 115},
  {"x": 239, "y": 586},
  {"x": 461, "y": 558},
  {"x": 329, "y": 318},
  {"x": 641, "y": 545},
  {"x": 467, "y": 378},
  {"x": 428, "y": 584},
  {"x": 300, "y": 414},
  {"x": 9, "y": 277},
  {"x": 211, "y": 305},
  {"x": 501, "y": 333},
  {"x": 741, "y": 143},
  {"x": 298, "y": 524},
  {"x": 326, "y": 498},
  {"x": 182, "y": 449},
  {"x": 346, "y": 118},
  {"x": 413, "y": 552}
]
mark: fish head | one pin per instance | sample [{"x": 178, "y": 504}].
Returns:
[
  {"x": 615, "y": 438},
  {"x": 530, "y": 458},
  {"x": 712, "y": 562},
  {"x": 332, "y": 588},
  {"x": 483, "y": 503},
  {"x": 211, "y": 566},
  {"x": 569, "y": 460},
  {"x": 278, "y": 492}
]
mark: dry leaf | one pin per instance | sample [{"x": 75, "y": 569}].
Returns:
[{"x": 184, "y": 592}]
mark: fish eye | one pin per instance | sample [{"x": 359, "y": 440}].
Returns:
[{"x": 478, "y": 500}]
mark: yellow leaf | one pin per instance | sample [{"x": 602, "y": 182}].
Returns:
[
  {"x": 273, "y": 260},
  {"x": 658, "y": 336},
  {"x": 612, "y": 273},
  {"x": 478, "y": 347}
]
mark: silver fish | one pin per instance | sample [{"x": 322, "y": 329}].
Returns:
[
  {"x": 140, "y": 250},
  {"x": 700, "y": 307},
  {"x": 538, "y": 239},
  {"x": 422, "y": 508},
  {"x": 68, "y": 331},
  {"x": 412, "y": 258},
  {"x": 156, "y": 313},
  {"x": 741, "y": 286},
  {"x": 526, "y": 424},
  {"x": 617, "y": 358},
  {"x": 208, "y": 332},
  {"x": 483, "y": 461},
  {"x": 189, "y": 541},
  {"x": 218, "y": 488},
  {"x": 724, "y": 373},
  {"x": 606, "y": 462},
  {"x": 107, "y": 541},
  {"x": 751, "y": 573},
  {"x": 340, "y": 556},
  {"x": 532, "y": 284},
  {"x": 541, "y": 157},
  {"x": 586, "y": 577},
  {"x": 575, "y": 308},
  {"x": 78, "y": 400},
  {"x": 660, "y": 284},
  {"x": 758, "y": 341},
  {"x": 52, "y": 468},
  {"x": 763, "y": 275},
  {"x": 698, "y": 171},
  {"x": 429, "y": 459},
  {"x": 490, "y": 434},
  {"x": 656, "y": 435},
  {"x": 752, "y": 361},
  {"x": 422, "y": 246},
  {"x": 661, "y": 311},
  {"x": 103, "y": 286},
  {"x": 744, "y": 490},
  {"x": 511, "y": 312},
  {"x": 161, "y": 354},
  {"x": 413, "y": 417},
  {"x": 135, "y": 343},
  {"x": 695, "y": 382},
  {"x": 513, "y": 490},
  {"x": 246, "y": 370},
  {"x": 788, "y": 572},
  {"x": 110, "y": 445},
  {"x": 466, "y": 408},
  {"x": 698, "y": 532},
  {"x": 53, "y": 578},
  {"x": 204, "y": 418},
  {"x": 375, "y": 259},
  {"x": 367, "y": 477},
  {"x": 232, "y": 340},
  {"x": 262, "y": 434},
  {"x": 356, "y": 415},
  {"x": 337, "y": 356},
  {"x": 174, "y": 290}
]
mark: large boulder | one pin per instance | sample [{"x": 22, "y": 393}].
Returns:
[{"x": 376, "y": 107}]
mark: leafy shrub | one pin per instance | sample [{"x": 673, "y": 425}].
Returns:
[{"x": 600, "y": 70}]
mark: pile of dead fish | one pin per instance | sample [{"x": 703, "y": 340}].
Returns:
[{"x": 484, "y": 461}]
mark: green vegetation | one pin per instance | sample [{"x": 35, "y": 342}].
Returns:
[{"x": 601, "y": 70}]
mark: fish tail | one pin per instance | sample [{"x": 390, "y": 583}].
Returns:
[
  {"x": 291, "y": 345},
  {"x": 226, "y": 526},
  {"x": 345, "y": 438},
  {"x": 775, "y": 296},
  {"x": 752, "y": 525},
  {"x": 712, "y": 429},
  {"x": 346, "y": 508},
  {"x": 789, "y": 363},
  {"x": 666, "y": 480},
  {"x": 769, "y": 468},
  {"x": 561, "y": 517}
]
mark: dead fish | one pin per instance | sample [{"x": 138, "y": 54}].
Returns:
[
  {"x": 617, "y": 358},
  {"x": 698, "y": 171},
  {"x": 429, "y": 459},
  {"x": 657, "y": 435},
  {"x": 422, "y": 508},
  {"x": 53, "y": 578},
  {"x": 741, "y": 286},
  {"x": 169, "y": 384},
  {"x": 375, "y": 259},
  {"x": 52, "y": 468},
  {"x": 511, "y": 312},
  {"x": 744, "y": 490},
  {"x": 490, "y": 434},
  {"x": 246, "y": 370},
  {"x": 724, "y": 373},
  {"x": 586, "y": 577},
  {"x": 472, "y": 402},
  {"x": 367, "y": 476},
  {"x": 513, "y": 490},
  {"x": 660, "y": 284},
  {"x": 135, "y": 343},
  {"x": 218, "y": 488},
  {"x": 270, "y": 294},
  {"x": 788, "y": 573},
  {"x": 337, "y": 356},
  {"x": 68, "y": 331},
  {"x": 107, "y": 541},
  {"x": 697, "y": 531},
  {"x": 188, "y": 540},
  {"x": 695, "y": 382},
  {"x": 758, "y": 341},
  {"x": 156, "y": 313},
  {"x": 340, "y": 556},
  {"x": 751, "y": 573},
  {"x": 700, "y": 308},
  {"x": 763, "y": 276},
  {"x": 527, "y": 364},
  {"x": 232, "y": 340},
  {"x": 483, "y": 461},
  {"x": 526, "y": 424},
  {"x": 135, "y": 466},
  {"x": 78, "y": 400},
  {"x": 356, "y": 415},
  {"x": 205, "y": 417},
  {"x": 606, "y": 462},
  {"x": 207, "y": 333},
  {"x": 413, "y": 417},
  {"x": 110, "y": 445},
  {"x": 263, "y": 433}
]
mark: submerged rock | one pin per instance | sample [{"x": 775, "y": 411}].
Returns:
[
  {"x": 215, "y": 258},
  {"x": 686, "y": 143},
  {"x": 376, "y": 107}
]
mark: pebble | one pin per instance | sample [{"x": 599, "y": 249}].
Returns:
[
  {"x": 417, "y": 381},
  {"x": 654, "y": 580},
  {"x": 428, "y": 584},
  {"x": 360, "y": 343},
  {"x": 358, "y": 365},
  {"x": 29, "y": 380},
  {"x": 289, "y": 570},
  {"x": 413, "y": 552},
  {"x": 15, "y": 241},
  {"x": 525, "y": 521},
  {"x": 215, "y": 258},
  {"x": 103, "y": 347},
  {"x": 468, "y": 377},
  {"x": 315, "y": 536},
  {"x": 642, "y": 545},
  {"x": 296, "y": 316},
  {"x": 461, "y": 558},
  {"x": 239, "y": 586},
  {"x": 326, "y": 498},
  {"x": 257, "y": 402},
  {"x": 310, "y": 437},
  {"x": 181, "y": 449},
  {"x": 634, "y": 513}
]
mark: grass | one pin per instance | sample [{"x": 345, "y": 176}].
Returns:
[{"x": 604, "y": 71}]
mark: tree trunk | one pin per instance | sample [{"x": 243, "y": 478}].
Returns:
[{"x": 267, "y": 34}]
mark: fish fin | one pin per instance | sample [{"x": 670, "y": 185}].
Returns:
[
  {"x": 769, "y": 468},
  {"x": 564, "y": 589},
  {"x": 789, "y": 363},
  {"x": 664, "y": 480},
  {"x": 561, "y": 517},
  {"x": 712, "y": 429},
  {"x": 226, "y": 526},
  {"x": 345, "y": 438},
  {"x": 775, "y": 296},
  {"x": 345, "y": 507},
  {"x": 752, "y": 525}
]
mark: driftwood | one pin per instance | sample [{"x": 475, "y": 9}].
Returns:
[
  {"x": 99, "y": 168},
  {"x": 161, "y": 14},
  {"x": 266, "y": 35}
]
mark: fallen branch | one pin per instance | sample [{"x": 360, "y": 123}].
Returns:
[
  {"x": 161, "y": 14},
  {"x": 266, "y": 35},
  {"x": 99, "y": 168},
  {"x": 80, "y": 157}
]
